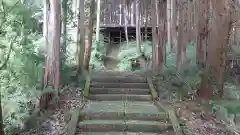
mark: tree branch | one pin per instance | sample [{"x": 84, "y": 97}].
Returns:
[
  {"x": 8, "y": 55},
  {"x": 6, "y": 12}
]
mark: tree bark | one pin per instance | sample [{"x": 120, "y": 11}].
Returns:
[
  {"x": 126, "y": 19},
  {"x": 64, "y": 29},
  {"x": 45, "y": 21},
  {"x": 52, "y": 65},
  {"x": 180, "y": 43},
  {"x": 173, "y": 25},
  {"x": 138, "y": 33},
  {"x": 87, "y": 55},
  {"x": 160, "y": 35},
  {"x": 217, "y": 49},
  {"x": 1, "y": 117},
  {"x": 202, "y": 27},
  {"x": 146, "y": 20},
  {"x": 169, "y": 32},
  {"x": 81, "y": 37},
  {"x": 154, "y": 35},
  {"x": 98, "y": 20}
]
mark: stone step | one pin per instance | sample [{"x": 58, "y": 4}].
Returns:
[
  {"x": 110, "y": 110},
  {"x": 102, "y": 126},
  {"x": 119, "y": 91},
  {"x": 119, "y": 85},
  {"x": 147, "y": 126},
  {"x": 101, "y": 133},
  {"x": 144, "y": 111},
  {"x": 119, "y": 97},
  {"x": 114, "y": 73},
  {"x": 117, "y": 110},
  {"x": 118, "y": 133},
  {"x": 122, "y": 79},
  {"x": 121, "y": 126}
]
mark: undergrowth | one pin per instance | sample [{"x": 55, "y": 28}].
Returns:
[
  {"x": 98, "y": 52},
  {"x": 128, "y": 51}
]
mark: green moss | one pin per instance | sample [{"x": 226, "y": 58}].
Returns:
[
  {"x": 87, "y": 84},
  {"x": 72, "y": 125},
  {"x": 152, "y": 89}
]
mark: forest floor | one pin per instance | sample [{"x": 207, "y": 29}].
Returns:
[{"x": 55, "y": 120}]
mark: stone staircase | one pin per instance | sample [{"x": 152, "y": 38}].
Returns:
[{"x": 121, "y": 104}]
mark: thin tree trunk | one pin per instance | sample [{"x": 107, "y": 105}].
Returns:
[
  {"x": 180, "y": 44},
  {"x": 98, "y": 20},
  {"x": 87, "y": 55},
  {"x": 169, "y": 32},
  {"x": 159, "y": 35},
  {"x": 138, "y": 34},
  {"x": 78, "y": 44},
  {"x": 45, "y": 21},
  {"x": 154, "y": 22},
  {"x": 81, "y": 37},
  {"x": 163, "y": 34},
  {"x": 146, "y": 20},
  {"x": 126, "y": 19},
  {"x": 1, "y": 117},
  {"x": 173, "y": 25},
  {"x": 201, "y": 30},
  {"x": 64, "y": 29}
]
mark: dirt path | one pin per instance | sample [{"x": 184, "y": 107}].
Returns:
[{"x": 111, "y": 62}]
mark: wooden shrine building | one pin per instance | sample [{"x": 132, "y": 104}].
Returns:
[{"x": 116, "y": 15}]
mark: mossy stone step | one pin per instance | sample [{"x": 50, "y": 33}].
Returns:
[
  {"x": 102, "y": 126},
  {"x": 117, "y": 110},
  {"x": 119, "y": 97},
  {"x": 144, "y": 111},
  {"x": 114, "y": 73},
  {"x": 111, "y": 110},
  {"x": 121, "y": 126},
  {"x": 147, "y": 126},
  {"x": 142, "y": 133},
  {"x": 118, "y": 133},
  {"x": 122, "y": 79},
  {"x": 119, "y": 85},
  {"x": 119, "y": 91},
  {"x": 102, "y": 133}
]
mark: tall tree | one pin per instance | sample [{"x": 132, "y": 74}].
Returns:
[
  {"x": 159, "y": 18},
  {"x": 202, "y": 26},
  {"x": 52, "y": 65},
  {"x": 126, "y": 18},
  {"x": 81, "y": 36},
  {"x": 154, "y": 23},
  {"x": 64, "y": 29},
  {"x": 146, "y": 19},
  {"x": 173, "y": 25},
  {"x": 138, "y": 32},
  {"x": 169, "y": 32},
  {"x": 45, "y": 21},
  {"x": 1, "y": 118},
  {"x": 98, "y": 20},
  {"x": 87, "y": 55},
  {"x": 180, "y": 43},
  {"x": 217, "y": 49}
]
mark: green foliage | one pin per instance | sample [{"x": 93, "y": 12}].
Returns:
[
  {"x": 25, "y": 66},
  {"x": 98, "y": 52},
  {"x": 129, "y": 51}
]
